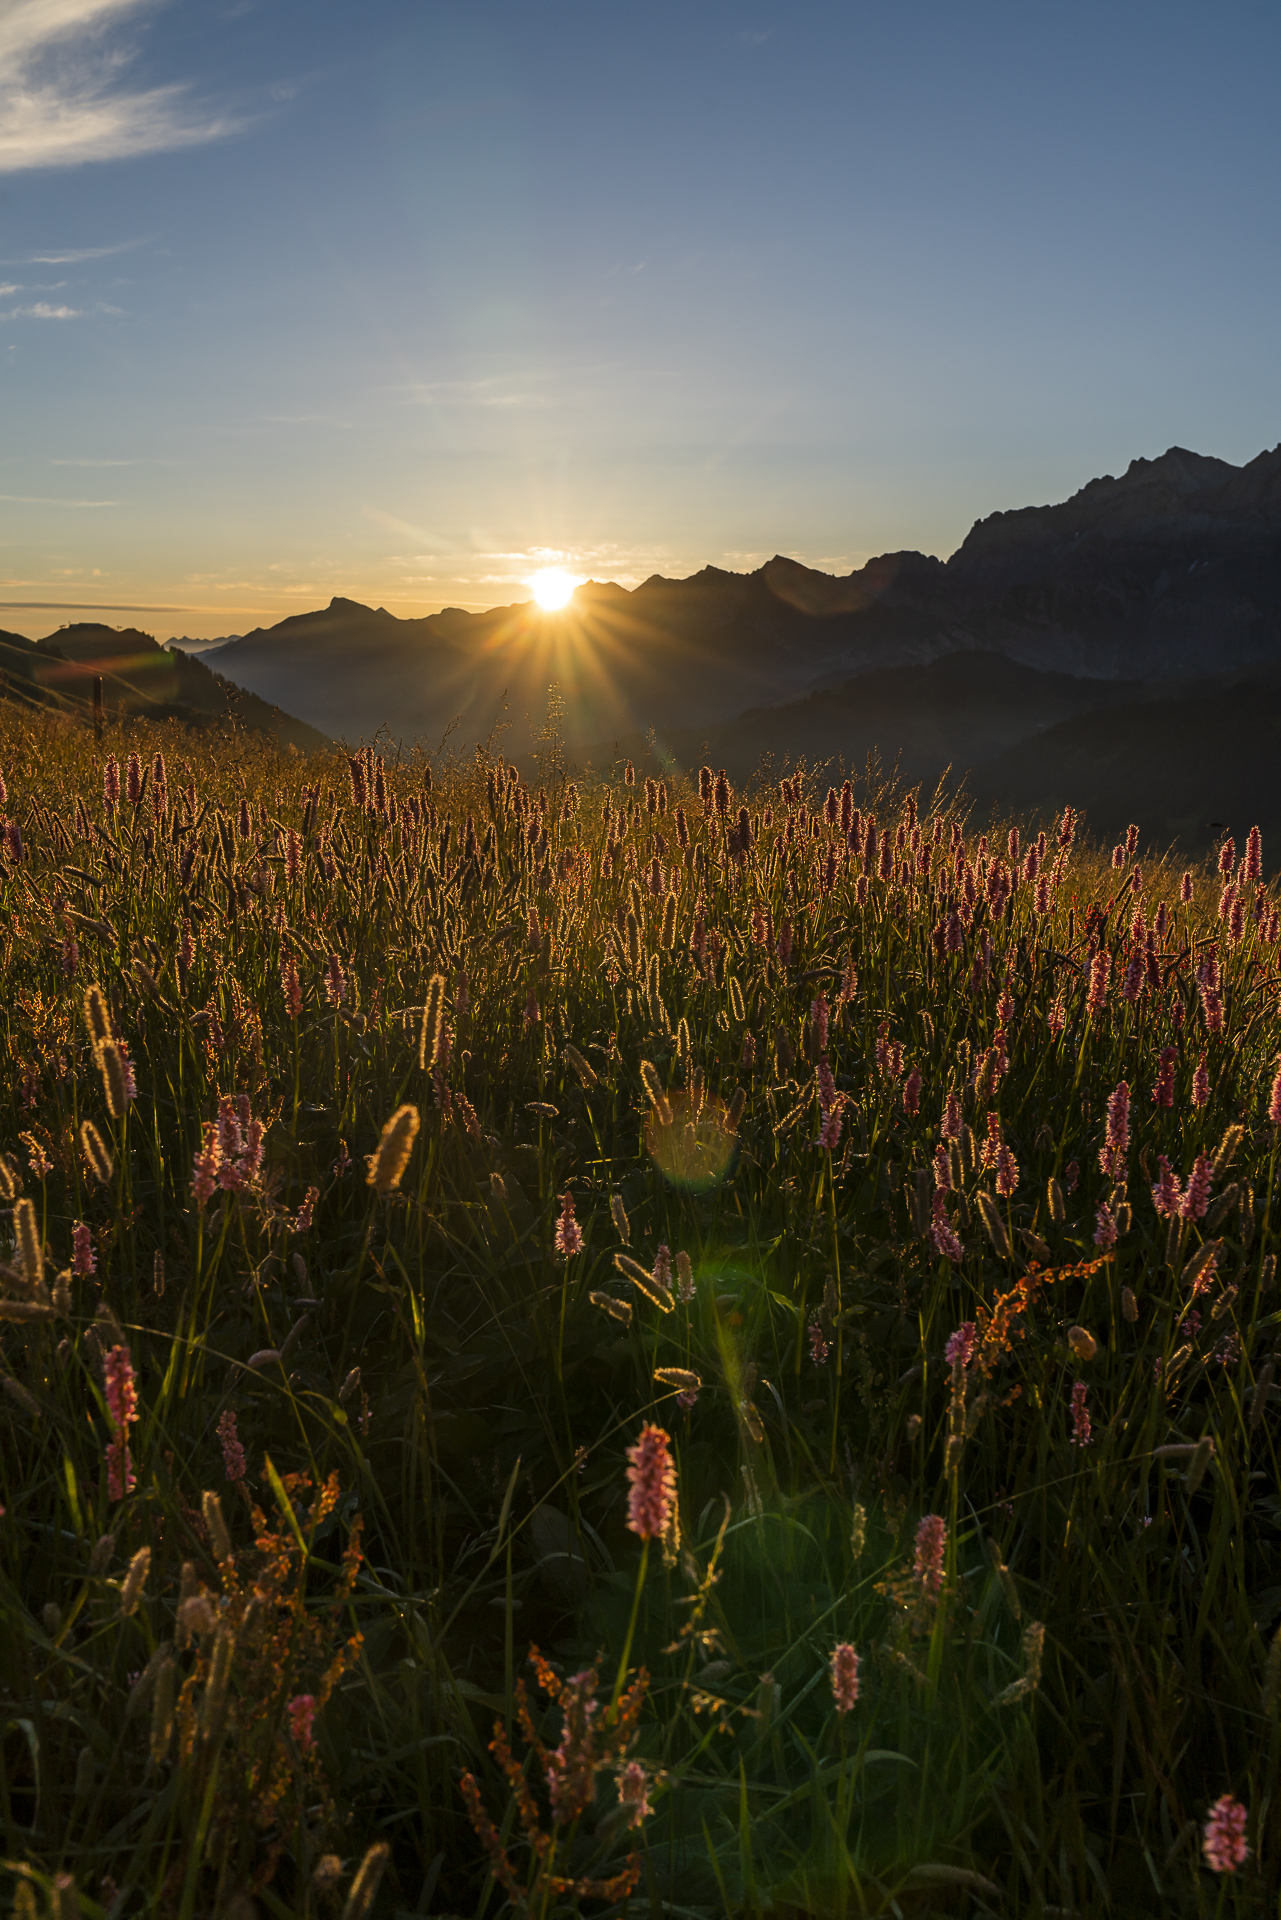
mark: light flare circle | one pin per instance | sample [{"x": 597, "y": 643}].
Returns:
[{"x": 553, "y": 587}]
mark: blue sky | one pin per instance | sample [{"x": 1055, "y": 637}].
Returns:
[{"x": 404, "y": 299}]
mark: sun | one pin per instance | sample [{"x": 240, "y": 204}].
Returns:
[{"x": 553, "y": 587}]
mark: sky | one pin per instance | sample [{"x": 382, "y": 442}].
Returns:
[{"x": 405, "y": 300}]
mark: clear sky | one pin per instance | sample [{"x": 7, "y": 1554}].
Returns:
[{"x": 403, "y": 299}]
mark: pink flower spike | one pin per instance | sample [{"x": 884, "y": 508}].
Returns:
[
  {"x": 959, "y": 1350},
  {"x": 1080, "y": 1416},
  {"x": 1223, "y": 1843},
  {"x": 633, "y": 1792},
  {"x": 931, "y": 1544},
  {"x": 83, "y": 1257},
  {"x": 844, "y": 1677},
  {"x": 233, "y": 1454},
  {"x": 653, "y": 1483},
  {"x": 1274, "y": 1103},
  {"x": 302, "y": 1713},
  {"x": 121, "y": 1394},
  {"x": 569, "y": 1235}
]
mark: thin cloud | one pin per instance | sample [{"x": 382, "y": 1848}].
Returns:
[
  {"x": 41, "y": 310},
  {"x": 73, "y": 256},
  {"x": 63, "y": 97},
  {"x": 46, "y": 500}
]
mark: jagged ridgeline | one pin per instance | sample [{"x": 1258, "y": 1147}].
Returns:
[{"x": 642, "y": 1341}]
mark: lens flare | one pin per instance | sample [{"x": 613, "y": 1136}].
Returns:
[{"x": 697, "y": 1149}]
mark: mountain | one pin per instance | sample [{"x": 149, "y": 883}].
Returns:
[
  {"x": 139, "y": 677},
  {"x": 1172, "y": 569}
]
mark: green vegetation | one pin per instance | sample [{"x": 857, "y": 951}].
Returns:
[{"x": 315, "y": 1416}]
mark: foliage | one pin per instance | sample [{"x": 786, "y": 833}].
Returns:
[{"x": 432, "y": 1135}]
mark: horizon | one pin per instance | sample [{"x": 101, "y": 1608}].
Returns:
[{"x": 409, "y": 305}]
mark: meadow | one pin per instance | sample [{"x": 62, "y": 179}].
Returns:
[{"x": 623, "y": 1346}]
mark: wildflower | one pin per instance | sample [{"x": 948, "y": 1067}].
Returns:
[
  {"x": 819, "y": 1022},
  {"x": 844, "y": 1677},
  {"x": 1167, "y": 1194},
  {"x": 942, "y": 1237},
  {"x": 931, "y": 1543},
  {"x": 633, "y": 1792},
  {"x": 335, "y": 981},
  {"x": 684, "y": 1277},
  {"x": 121, "y": 1394},
  {"x": 1254, "y": 855},
  {"x": 1163, "y": 1091},
  {"x": 233, "y": 1454},
  {"x": 302, "y": 1713},
  {"x": 652, "y": 1476},
  {"x": 571, "y": 1769},
  {"x": 206, "y": 1164},
  {"x": 1227, "y": 856},
  {"x": 133, "y": 780},
  {"x": 569, "y": 1236},
  {"x": 290, "y": 984},
  {"x": 111, "y": 783},
  {"x": 1071, "y": 1174},
  {"x": 829, "y": 1134},
  {"x": 1197, "y": 1197},
  {"x": 83, "y": 1258},
  {"x": 1080, "y": 1416},
  {"x": 302, "y": 1220},
  {"x": 951, "y": 1127},
  {"x": 960, "y": 1346},
  {"x": 912, "y": 1092},
  {"x": 818, "y": 1345},
  {"x": 1007, "y": 1171},
  {"x": 1100, "y": 966},
  {"x": 1274, "y": 1101},
  {"x": 662, "y": 1273},
  {"x": 1223, "y": 1843},
  {"x": 1116, "y": 1147}
]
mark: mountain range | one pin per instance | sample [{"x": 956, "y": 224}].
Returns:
[
  {"x": 139, "y": 678},
  {"x": 1059, "y": 654}
]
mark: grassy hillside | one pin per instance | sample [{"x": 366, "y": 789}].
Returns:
[
  {"x": 140, "y": 680},
  {"x": 594, "y": 1349}
]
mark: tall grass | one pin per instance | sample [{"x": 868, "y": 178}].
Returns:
[{"x": 432, "y": 1136}]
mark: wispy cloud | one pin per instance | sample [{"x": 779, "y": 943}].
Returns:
[
  {"x": 47, "y": 500},
  {"x": 72, "y": 256},
  {"x": 65, "y": 99},
  {"x": 41, "y": 310}
]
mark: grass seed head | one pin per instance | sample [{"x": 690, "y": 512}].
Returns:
[
  {"x": 134, "y": 1581},
  {"x": 429, "y": 1039},
  {"x": 389, "y": 1163},
  {"x": 115, "y": 1079},
  {"x": 94, "y": 1149},
  {"x": 97, "y": 1016},
  {"x": 30, "y": 1250}
]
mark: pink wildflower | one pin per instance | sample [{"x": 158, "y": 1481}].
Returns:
[
  {"x": 819, "y": 1021},
  {"x": 942, "y": 1236},
  {"x": 133, "y": 780},
  {"x": 1185, "y": 890},
  {"x": 1116, "y": 1147},
  {"x": 233, "y": 1454},
  {"x": 1163, "y": 1091},
  {"x": 1197, "y": 1197},
  {"x": 829, "y": 1133},
  {"x": 951, "y": 1128},
  {"x": 1227, "y": 856},
  {"x": 1254, "y": 855},
  {"x": 292, "y": 989},
  {"x": 844, "y": 1677},
  {"x": 83, "y": 1258},
  {"x": 1080, "y": 1416},
  {"x": 303, "y": 1218},
  {"x": 653, "y": 1483},
  {"x": 826, "y": 1082},
  {"x": 912, "y": 1091},
  {"x": 1274, "y": 1102},
  {"x": 1071, "y": 1174},
  {"x": 121, "y": 1394},
  {"x": 633, "y": 1792},
  {"x": 1223, "y": 1843},
  {"x": 818, "y": 1345},
  {"x": 931, "y": 1543},
  {"x": 335, "y": 981},
  {"x": 571, "y": 1769},
  {"x": 960, "y": 1347},
  {"x": 662, "y": 1270},
  {"x": 302, "y": 1713},
  {"x": 569, "y": 1236},
  {"x": 111, "y": 782},
  {"x": 1167, "y": 1194},
  {"x": 942, "y": 1169},
  {"x": 1100, "y": 967},
  {"x": 1200, "y": 1084},
  {"x": 1104, "y": 1228},
  {"x": 206, "y": 1165}
]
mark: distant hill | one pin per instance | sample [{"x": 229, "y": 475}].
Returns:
[{"x": 139, "y": 677}]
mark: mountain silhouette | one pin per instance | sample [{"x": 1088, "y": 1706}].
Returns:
[{"x": 139, "y": 678}]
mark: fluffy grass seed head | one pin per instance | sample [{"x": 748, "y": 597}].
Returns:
[
  {"x": 94, "y": 1149},
  {"x": 389, "y": 1163},
  {"x": 433, "y": 1011},
  {"x": 97, "y": 1016},
  {"x": 115, "y": 1079}
]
